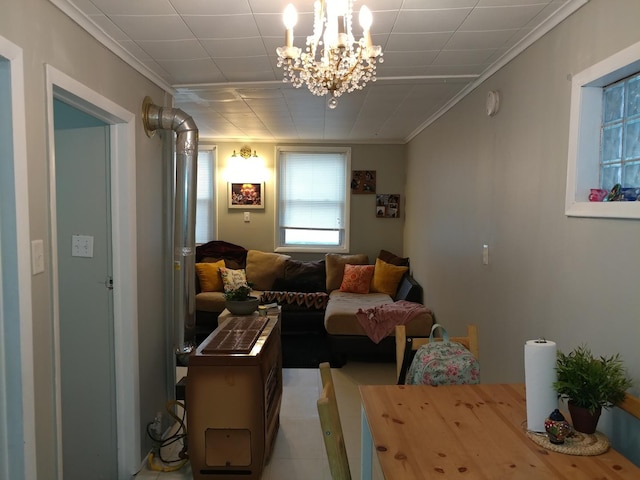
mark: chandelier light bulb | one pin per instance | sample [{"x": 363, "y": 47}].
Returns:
[
  {"x": 365, "y": 18},
  {"x": 290, "y": 17}
]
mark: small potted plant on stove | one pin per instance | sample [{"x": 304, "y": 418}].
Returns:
[
  {"x": 589, "y": 384},
  {"x": 240, "y": 302}
]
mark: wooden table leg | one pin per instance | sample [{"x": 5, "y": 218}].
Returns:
[{"x": 366, "y": 448}]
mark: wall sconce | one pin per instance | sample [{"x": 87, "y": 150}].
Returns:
[
  {"x": 245, "y": 152},
  {"x": 245, "y": 166}
]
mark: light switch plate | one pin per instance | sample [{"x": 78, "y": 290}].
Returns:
[
  {"x": 82, "y": 246},
  {"x": 37, "y": 256},
  {"x": 485, "y": 254}
]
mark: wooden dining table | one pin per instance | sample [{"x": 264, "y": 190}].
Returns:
[{"x": 466, "y": 432}]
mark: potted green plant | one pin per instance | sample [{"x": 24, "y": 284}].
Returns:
[
  {"x": 239, "y": 301},
  {"x": 589, "y": 384}
]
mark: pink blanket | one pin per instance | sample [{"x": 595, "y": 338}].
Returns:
[{"x": 380, "y": 321}]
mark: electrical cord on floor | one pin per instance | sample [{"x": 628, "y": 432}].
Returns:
[{"x": 169, "y": 465}]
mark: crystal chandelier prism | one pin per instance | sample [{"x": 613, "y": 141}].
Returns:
[{"x": 333, "y": 62}]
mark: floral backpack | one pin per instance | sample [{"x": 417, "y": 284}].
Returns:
[{"x": 443, "y": 363}]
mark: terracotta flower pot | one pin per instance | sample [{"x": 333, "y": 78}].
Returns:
[{"x": 583, "y": 420}]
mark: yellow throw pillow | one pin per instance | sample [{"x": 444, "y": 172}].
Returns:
[
  {"x": 209, "y": 276},
  {"x": 386, "y": 277}
]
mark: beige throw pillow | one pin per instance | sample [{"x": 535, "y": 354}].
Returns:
[
  {"x": 263, "y": 268},
  {"x": 335, "y": 263}
]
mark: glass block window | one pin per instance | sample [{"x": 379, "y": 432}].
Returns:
[{"x": 620, "y": 134}]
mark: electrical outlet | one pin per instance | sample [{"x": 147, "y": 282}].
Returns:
[{"x": 247, "y": 216}]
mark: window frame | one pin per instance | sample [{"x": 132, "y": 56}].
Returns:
[
  {"x": 583, "y": 166},
  {"x": 278, "y": 233},
  {"x": 212, "y": 217}
]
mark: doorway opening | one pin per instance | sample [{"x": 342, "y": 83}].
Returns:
[
  {"x": 115, "y": 129},
  {"x": 17, "y": 412}
]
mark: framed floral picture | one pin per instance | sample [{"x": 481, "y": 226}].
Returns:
[
  {"x": 388, "y": 205},
  {"x": 246, "y": 195}
]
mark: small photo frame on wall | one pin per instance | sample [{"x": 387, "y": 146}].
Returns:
[
  {"x": 245, "y": 195},
  {"x": 388, "y": 205},
  {"x": 363, "y": 181}
]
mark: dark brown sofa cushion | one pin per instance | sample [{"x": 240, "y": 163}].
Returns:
[{"x": 302, "y": 276}]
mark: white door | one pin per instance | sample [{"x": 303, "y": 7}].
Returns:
[{"x": 87, "y": 368}]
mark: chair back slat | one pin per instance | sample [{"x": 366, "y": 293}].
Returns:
[
  {"x": 631, "y": 405},
  {"x": 407, "y": 346},
  {"x": 332, "y": 427}
]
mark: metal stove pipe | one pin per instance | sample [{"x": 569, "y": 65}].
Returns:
[{"x": 184, "y": 226}]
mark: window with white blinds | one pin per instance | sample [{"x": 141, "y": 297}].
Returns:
[
  {"x": 205, "y": 197},
  {"x": 313, "y": 199}
]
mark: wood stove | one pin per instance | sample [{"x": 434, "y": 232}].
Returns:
[{"x": 233, "y": 397}]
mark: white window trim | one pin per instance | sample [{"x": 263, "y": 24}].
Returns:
[
  {"x": 308, "y": 249},
  {"x": 583, "y": 168}
]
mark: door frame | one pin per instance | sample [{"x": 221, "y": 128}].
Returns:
[
  {"x": 25, "y": 451},
  {"x": 123, "y": 237}
]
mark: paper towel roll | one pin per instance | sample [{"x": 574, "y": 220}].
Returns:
[{"x": 539, "y": 373}]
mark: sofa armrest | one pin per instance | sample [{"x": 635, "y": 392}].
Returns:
[{"x": 409, "y": 290}]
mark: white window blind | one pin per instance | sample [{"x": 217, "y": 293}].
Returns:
[
  {"x": 205, "y": 198},
  {"x": 313, "y": 198}
]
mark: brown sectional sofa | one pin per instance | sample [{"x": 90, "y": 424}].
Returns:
[{"x": 315, "y": 312}]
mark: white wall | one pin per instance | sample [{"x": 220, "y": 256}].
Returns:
[
  {"x": 47, "y": 36},
  {"x": 474, "y": 180}
]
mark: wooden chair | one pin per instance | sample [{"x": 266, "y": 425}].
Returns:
[
  {"x": 406, "y": 348},
  {"x": 631, "y": 405},
  {"x": 331, "y": 427}
]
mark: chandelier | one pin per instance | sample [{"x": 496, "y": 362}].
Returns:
[{"x": 333, "y": 62}]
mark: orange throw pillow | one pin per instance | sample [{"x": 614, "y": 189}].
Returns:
[{"x": 356, "y": 278}]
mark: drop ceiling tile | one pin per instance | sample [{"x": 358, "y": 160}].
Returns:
[
  {"x": 500, "y": 18},
  {"x": 506, "y": 3},
  {"x": 409, "y": 59},
  {"x": 385, "y": 70},
  {"x": 438, "y": 4},
  {"x": 419, "y": 21},
  {"x": 479, "y": 40},
  {"x": 463, "y": 57},
  {"x": 411, "y": 42},
  {"x": 192, "y": 71},
  {"x": 239, "y": 47},
  {"x": 222, "y": 26},
  {"x": 375, "y": 5},
  {"x": 451, "y": 70},
  {"x": 278, "y": 6},
  {"x": 174, "y": 49},
  {"x": 270, "y": 25},
  {"x": 244, "y": 64},
  {"x": 110, "y": 28},
  {"x": 211, "y": 7},
  {"x": 383, "y": 22},
  {"x": 134, "y": 49},
  {"x": 156, "y": 27},
  {"x": 137, "y": 7}
]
